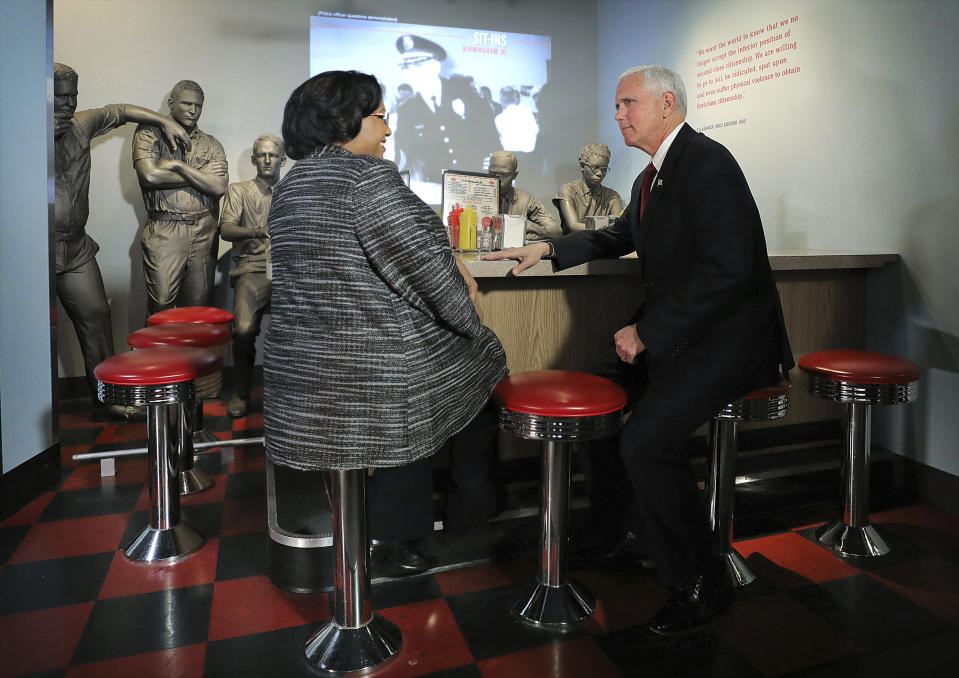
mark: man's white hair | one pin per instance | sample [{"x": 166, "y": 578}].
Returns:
[{"x": 659, "y": 79}]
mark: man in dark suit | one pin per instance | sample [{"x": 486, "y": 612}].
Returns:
[{"x": 709, "y": 329}]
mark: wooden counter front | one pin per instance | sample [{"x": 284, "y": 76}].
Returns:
[{"x": 550, "y": 319}]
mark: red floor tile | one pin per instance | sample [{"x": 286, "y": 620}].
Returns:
[
  {"x": 41, "y": 641},
  {"x": 127, "y": 578},
  {"x": 29, "y": 513},
  {"x": 254, "y": 605},
  {"x": 243, "y": 515},
  {"x": 79, "y": 419},
  {"x": 431, "y": 640},
  {"x": 467, "y": 579},
  {"x": 254, "y": 420},
  {"x": 85, "y": 476},
  {"x": 777, "y": 635},
  {"x": 794, "y": 554},
  {"x": 214, "y": 408},
  {"x": 572, "y": 659},
  {"x": 623, "y": 599},
  {"x": 76, "y": 537},
  {"x": 135, "y": 432},
  {"x": 931, "y": 582},
  {"x": 178, "y": 662},
  {"x": 923, "y": 525},
  {"x": 67, "y": 452}
]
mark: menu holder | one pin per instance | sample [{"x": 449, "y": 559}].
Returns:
[{"x": 470, "y": 201}]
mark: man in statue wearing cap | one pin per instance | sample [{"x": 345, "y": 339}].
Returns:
[
  {"x": 181, "y": 193},
  {"x": 445, "y": 124},
  {"x": 243, "y": 222},
  {"x": 588, "y": 197},
  {"x": 540, "y": 225},
  {"x": 79, "y": 282}
]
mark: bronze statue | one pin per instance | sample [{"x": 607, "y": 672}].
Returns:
[
  {"x": 540, "y": 224},
  {"x": 587, "y": 196},
  {"x": 79, "y": 282},
  {"x": 181, "y": 193},
  {"x": 243, "y": 222}
]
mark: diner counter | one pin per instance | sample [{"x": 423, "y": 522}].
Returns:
[{"x": 550, "y": 319}]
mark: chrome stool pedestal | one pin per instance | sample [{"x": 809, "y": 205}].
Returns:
[
  {"x": 858, "y": 380},
  {"x": 158, "y": 378},
  {"x": 355, "y": 639},
  {"x": 765, "y": 404},
  {"x": 558, "y": 408}
]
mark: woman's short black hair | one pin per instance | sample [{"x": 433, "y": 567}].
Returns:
[{"x": 328, "y": 108}]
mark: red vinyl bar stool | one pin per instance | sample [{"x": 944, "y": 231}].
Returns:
[
  {"x": 199, "y": 335},
  {"x": 858, "y": 380},
  {"x": 356, "y": 639},
  {"x": 157, "y": 378},
  {"x": 558, "y": 408},
  {"x": 765, "y": 404},
  {"x": 208, "y": 387}
]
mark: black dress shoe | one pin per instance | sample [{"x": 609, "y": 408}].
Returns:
[
  {"x": 398, "y": 558},
  {"x": 627, "y": 553},
  {"x": 693, "y": 605}
]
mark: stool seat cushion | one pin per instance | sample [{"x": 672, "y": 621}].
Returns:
[
  {"x": 157, "y": 366},
  {"x": 860, "y": 367},
  {"x": 202, "y": 335},
  {"x": 558, "y": 393},
  {"x": 191, "y": 314},
  {"x": 776, "y": 390}
]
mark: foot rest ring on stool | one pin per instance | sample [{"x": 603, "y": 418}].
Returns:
[{"x": 557, "y": 408}]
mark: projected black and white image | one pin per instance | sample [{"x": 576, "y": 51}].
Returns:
[{"x": 454, "y": 95}]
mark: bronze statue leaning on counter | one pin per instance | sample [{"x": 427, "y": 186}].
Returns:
[
  {"x": 588, "y": 197},
  {"x": 540, "y": 224}
]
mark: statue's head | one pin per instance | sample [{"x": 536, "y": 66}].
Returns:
[
  {"x": 594, "y": 163},
  {"x": 186, "y": 103},
  {"x": 268, "y": 156},
  {"x": 503, "y": 164},
  {"x": 64, "y": 98}
]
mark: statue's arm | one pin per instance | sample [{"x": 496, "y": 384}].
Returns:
[
  {"x": 175, "y": 134},
  {"x": 569, "y": 215},
  {"x": 154, "y": 174},
  {"x": 231, "y": 216}
]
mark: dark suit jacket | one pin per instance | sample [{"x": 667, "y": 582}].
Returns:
[{"x": 711, "y": 318}]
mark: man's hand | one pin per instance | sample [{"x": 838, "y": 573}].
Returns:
[
  {"x": 528, "y": 255},
  {"x": 628, "y": 344},
  {"x": 175, "y": 135}
]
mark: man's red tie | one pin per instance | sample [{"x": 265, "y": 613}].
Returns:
[{"x": 647, "y": 184}]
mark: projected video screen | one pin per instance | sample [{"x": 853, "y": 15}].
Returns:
[{"x": 454, "y": 95}]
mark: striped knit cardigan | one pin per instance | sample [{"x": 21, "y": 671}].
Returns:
[{"x": 374, "y": 355}]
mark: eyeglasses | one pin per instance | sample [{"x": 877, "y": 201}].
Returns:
[
  {"x": 595, "y": 168},
  {"x": 385, "y": 117}
]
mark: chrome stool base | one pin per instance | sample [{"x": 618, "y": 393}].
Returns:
[
  {"x": 739, "y": 571},
  {"x": 193, "y": 480},
  {"x": 155, "y": 544},
  {"x": 336, "y": 649},
  {"x": 864, "y": 541},
  {"x": 554, "y": 607}
]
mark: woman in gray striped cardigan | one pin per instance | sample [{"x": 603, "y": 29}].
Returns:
[{"x": 375, "y": 355}]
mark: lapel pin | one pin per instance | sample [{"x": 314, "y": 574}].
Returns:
[{"x": 659, "y": 182}]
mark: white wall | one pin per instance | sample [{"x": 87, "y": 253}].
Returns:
[
  {"x": 857, "y": 151},
  {"x": 248, "y": 55},
  {"x": 26, "y": 198}
]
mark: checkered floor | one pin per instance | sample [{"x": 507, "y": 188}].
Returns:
[{"x": 73, "y": 606}]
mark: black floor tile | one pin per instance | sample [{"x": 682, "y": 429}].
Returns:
[
  {"x": 96, "y": 501},
  {"x": 211, "y": 463},
  {"x": 204, "y": 518},
  {"x": 404, "y": 591},
  {"x": 242, "y": 555},
  {"x": 870, "y": 614},
  {"x": 52, "y": 583},
  {"x": 274, "y": 653},
  {"x": 70, "y": 437},
  {"x": 638, "y": 652},
  {"x": 245, "y": 485},
  {"x": 10, "y": 538},
  {"x": 468, "y": 671},
  {"x": 490, "y": 630},
  {"x": 148, "y": 622}
]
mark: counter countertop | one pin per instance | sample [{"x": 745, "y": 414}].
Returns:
[{"x": 781, "y": 260}]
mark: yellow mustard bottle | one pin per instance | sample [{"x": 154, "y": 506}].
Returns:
[{"x": 468, "y": 229}]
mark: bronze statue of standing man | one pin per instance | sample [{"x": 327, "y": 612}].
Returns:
[
  {"x": 181, "y": 193},
  {"x": 79, "y": 282},
  {"x": 243, "y": 222}
]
